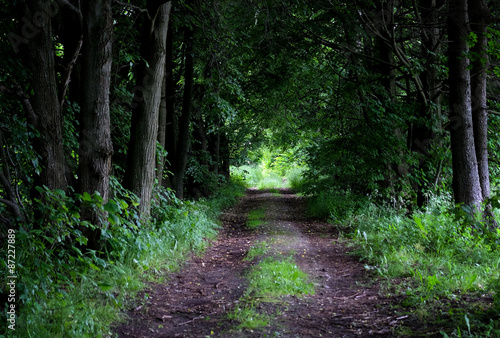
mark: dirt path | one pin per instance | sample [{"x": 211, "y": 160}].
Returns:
[{"x": 196, "y": 300}]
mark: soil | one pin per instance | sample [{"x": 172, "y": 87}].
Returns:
[{"x": 195, "y": 301}]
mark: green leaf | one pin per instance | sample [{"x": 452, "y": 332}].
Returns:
[
  {"x": 467, "y": 322},
  {"x": 123, "y": 204},
  {"x": 59, "y": 192},
  {"x": 421, "y": 227},
  {"x": 86, "y": 197},
  {"x": 111, "y": 207},
  {"x": 113, "y": 219},
  {"x": 82, "y": 240},
  {"x": 105, "y": 286},
  {"x": 49, "y": 239}
]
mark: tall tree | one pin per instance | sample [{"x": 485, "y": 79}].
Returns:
[
  {"x": 420, "y": 134},
  {"x": 44, "y": 112},
  {"x": 466, "y": 184},
  {"x": 171, "y": 123},
  {"x": 480, "y": 17},
  {"x": 141, "y": 157},
  {"x": 95, "y": 151},
  {"x": 181, "y": 137}
]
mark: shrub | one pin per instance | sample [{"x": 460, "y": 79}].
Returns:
[{"x": 66, "y": 290}]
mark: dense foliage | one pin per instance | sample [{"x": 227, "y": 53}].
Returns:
[{"x": 97, "y": 164}]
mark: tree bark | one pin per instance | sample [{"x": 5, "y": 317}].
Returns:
[
  {"x": 225, "y": 156},
  {"x": 466, "y": 185},
  {"x": 47, "y": 118},
  {"x": 421, "y": 135},
  {"x": 171, "y": 129},
  {"x": 11, "y": 199},
  {"x": 184, "y": 134},
  {"x": 141, "y": 158},
  {"x": 95, "y": 151},
  {"x": 480, "y": 17},
  {"x": 162, "y": 130}
]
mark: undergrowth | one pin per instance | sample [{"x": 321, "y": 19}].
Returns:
[
  {"x": 255, "y": 218},
  {"x": 258, "y": 249},
  {"x": 267, "y": 177},
  {"x": 267, "y": 168},
  {"x": 65, "y": 290},
  {"x": 443, "y": 260},
  {"x": 276, "y": 277},
  {"x": 269, "y": 280}
]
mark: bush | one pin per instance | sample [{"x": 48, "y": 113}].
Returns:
[
  {"x": 439, "y": 253},
  {"x": 66, "y": 290}
]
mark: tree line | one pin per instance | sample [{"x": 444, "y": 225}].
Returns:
[
  {"x": 96, "y": 89},
  {"x": 399, "y": 97},
  {"x": 391, "y": 96}
]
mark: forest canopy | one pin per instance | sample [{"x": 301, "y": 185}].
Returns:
[{"x": 114, "y": 114}]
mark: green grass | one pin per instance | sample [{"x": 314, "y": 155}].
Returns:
[
  {"x": 71, "y": 295},
  {"x": 272, "y": 278},
  {"x": 255, "y": 218},
  {"x": 294, "y": 178},
  {"x": 268, "y": 281},
  {"x": 248, "y": 318},
  {"x": 438, "y": 254},
  {"x": 262, "y": 178},
  {"x": 258, "y": 249},
  {"x": 275, "y": 192}
]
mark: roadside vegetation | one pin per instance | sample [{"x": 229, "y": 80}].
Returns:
[
  {"x": 441, "y": 259},
  {"x": 66, "y": 293},
  {"x": 391, "y": 133}
]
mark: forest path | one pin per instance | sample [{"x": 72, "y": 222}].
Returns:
[{"x": 195, "y": 301}]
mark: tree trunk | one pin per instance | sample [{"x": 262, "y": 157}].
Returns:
[
  {"x": 171, "y": 129},
  {"x": 162, "y": 129},
  {"x": 94, "y": 167},
  {"x": 183, "y": 141},
  {"x": 384, "y": 51},
  {"x": 46, "y": 116},
  {"x": 225, "y": 156},
  {"x": 480, "y": 17},
  {"x": 466, "y": 185},
  {"x": 71, "y": 36},
  {"x": 141, "y": 157},
  {"x": 421, "y": 135},
  {"x": 214, "y": 147}
]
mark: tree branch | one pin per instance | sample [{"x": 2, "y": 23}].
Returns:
[
  {"x": 334, "y": 45},
  {"x": 10, "y": 203},
  {"x": 69, "y": 70},
  {"x": 7, "y": 222}
]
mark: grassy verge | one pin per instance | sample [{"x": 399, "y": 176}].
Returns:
[
  {"x": 273, "y": 277},
  {"x": 445, "y": 263},
  {"x": 64, "y": 292},
  {"x": 255, "y": 218},
  {"x": 269, "y": 280}
]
